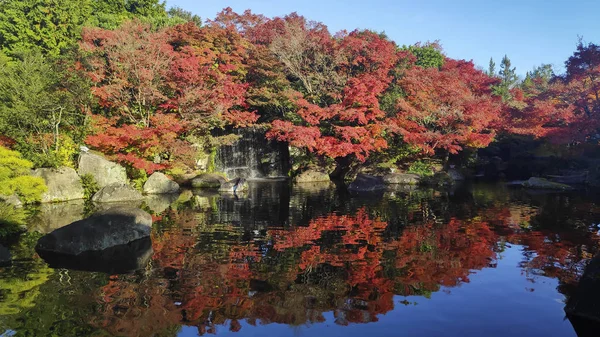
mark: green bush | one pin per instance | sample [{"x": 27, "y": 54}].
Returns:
[
  {"x": 15, "y": 177},
  {"x": 421, "y": 168},
  {"x": 90, "y": 186},
  {"x": 138, "y": 177}
]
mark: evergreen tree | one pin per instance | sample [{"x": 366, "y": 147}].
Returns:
[
  {"x": 508, "y": 77},
  {"x": 492, "y": 68},
  {"x": 507, "y": 74}
]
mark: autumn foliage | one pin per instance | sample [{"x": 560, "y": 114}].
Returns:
[{"x": 342, "y": 96}]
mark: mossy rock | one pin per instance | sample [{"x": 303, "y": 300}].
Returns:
[
  {"x": 545, "y": 184},
  {"x": 208, "y": 180}
]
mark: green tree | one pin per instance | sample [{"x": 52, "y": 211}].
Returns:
[
  {"x": 50, "y": 25},
  {"x": 429, "y": 55},
  {"x": 508, "y": 78},
  {"x": 186, "y": 16},
  {"x": 538, "y": 78},
  {"x": 39, "y": 100},
  {"x": 492, "y": 68},
  {"x": 110, "y": 14}
]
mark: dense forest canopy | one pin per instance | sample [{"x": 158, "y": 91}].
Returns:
[{"x": 147, "y": 86}]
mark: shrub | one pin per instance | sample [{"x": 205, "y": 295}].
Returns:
[
  {"x": 90, "y": 186},
  {"x": 421, "y": 168},
  {"x": 15, "y": 177}
]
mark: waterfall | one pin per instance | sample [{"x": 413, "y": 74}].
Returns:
[{"x": 253, "y": 156}]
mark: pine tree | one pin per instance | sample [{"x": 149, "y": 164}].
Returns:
[
  {"x": 492, "y": 68},
  {"x": 508, "y": 75}
]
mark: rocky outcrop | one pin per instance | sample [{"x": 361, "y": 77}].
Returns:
[
  {"x": 401, "y": 178},
  {"x": 544, "y": 184},
  {"x": 234, "y": 186},
  {"x": 12, "y": 199},
  {"x": 5, "y": 256},
  {"x": 312, "y": 175},
  {"x": 158, "y": 183},
  {"x": 208, "y": 180},
  {"x": 113, "y": 227},
  {"x": 105, "y": 172},
  {"x": 63, "y": 184},
  {"x": 117, "y": 193},
  {"x": 367, "y": 183},
  {"x": 115, "y": 240}
]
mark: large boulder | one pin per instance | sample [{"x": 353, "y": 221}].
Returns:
[
  {"x": 544, "y": 184},
  {"x": 367, "y": 183},
  {"x": 583, "y": 306},
  {"x": 208, "y": 180},
  {"x": 117, "y": 193},
  {"x": 401, "y": 178},
  {"x": 105, "y": 229},
  {"x": 63, "y": 184},
  {"x": 235, "y": 185},
  {"x": 312, "y": 175},
  {"x": 158, "y": 183},
  {"x": 5, "y": 256},
  {"x": 114, "y": 240},
  {"x": 105, "y": 172}
]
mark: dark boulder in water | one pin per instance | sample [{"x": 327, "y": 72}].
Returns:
[
  {"x": 367, "y": 183},
  {"x": 583, "y": 308},
  {"x": 117, "y": 259},
  {"x": 114, "y": 240}
]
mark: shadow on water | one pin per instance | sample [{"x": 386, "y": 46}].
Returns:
[{"x": 310, "y": 254}]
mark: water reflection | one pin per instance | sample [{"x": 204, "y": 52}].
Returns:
[{"x": 322, "y": 258}]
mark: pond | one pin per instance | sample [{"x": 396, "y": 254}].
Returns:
[{"x": 481, "y": 260}]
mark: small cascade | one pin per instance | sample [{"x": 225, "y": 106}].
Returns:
[{"x": 253, "y": 156}]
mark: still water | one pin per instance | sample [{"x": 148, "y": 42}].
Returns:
[{"x": 482, "y": 260}]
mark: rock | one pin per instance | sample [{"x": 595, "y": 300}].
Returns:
[
  {"x": 56, "y": 215},
  {"x": 544, "y": 184},
  {"x": 117, "y": 193},
  {"x": 12, "y": 199},
  {"x": 235, "y": 185},
  {"x": 184, "y": 179},
  {"x": 158, "y": 183},
  {"x": 312, "y": 175},
  {"x": 118, "y": 259},
  {"x": 314, "y": 187},
  {"x": 103, "y": 230},
  {"x": 208, "y": 180},
  {"x": 63, "y": 184},
  {"x": 105, "y": 172},
  {"x": 582, "y": 308},
  {"x": 367, "y": 183},
  {"x": 455, "y": 175},
  {"x": 401, "y": 178},
  {"x": 5, "y": 256}
]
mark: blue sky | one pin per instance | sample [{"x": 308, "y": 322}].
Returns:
[{"x": 530, "y": 32}]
